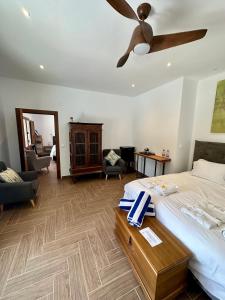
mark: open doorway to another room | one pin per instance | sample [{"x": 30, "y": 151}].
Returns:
[{"x": 39, "y": 140}]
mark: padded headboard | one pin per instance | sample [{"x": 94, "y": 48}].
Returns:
[{"x": 210, "y": 151}]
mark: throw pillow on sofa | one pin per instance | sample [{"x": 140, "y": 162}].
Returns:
[
  {"x": 112, "y": 157},
  {"x": 10, "y": 176}
]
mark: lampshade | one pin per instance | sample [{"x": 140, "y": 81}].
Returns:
[{"x": 142, "y": 48}]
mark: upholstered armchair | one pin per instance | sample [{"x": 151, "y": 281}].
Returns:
[
  {"x": 18, "y": 191},
  {"x": 37, "y": 163},
  {"x": 118, "y": 169}
]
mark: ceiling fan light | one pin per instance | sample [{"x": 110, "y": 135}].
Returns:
[{"x": 142, "y": 49}]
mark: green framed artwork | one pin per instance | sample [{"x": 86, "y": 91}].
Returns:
[{"x": 218, "y": 121}]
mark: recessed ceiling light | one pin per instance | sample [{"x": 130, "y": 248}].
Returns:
[
  {"x": 133, "y": 85},
  {"x": 25, "y": 12},
  {"x": 42, "y": 67},
  {"x": 169, "y": 64}
]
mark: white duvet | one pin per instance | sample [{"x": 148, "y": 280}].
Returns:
[
  {"x": 53, "y": 151},
  {"x": 207, "y": 246}
]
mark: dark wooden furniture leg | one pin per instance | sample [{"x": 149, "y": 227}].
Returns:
[
  {"x": 163, "y": 169},
  {"x": 155, "y": 167},
  {"x": 137, "y": 166},
  {"x": 144, "y": 167}
]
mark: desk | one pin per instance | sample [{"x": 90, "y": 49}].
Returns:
[{"x": 156, "y": 158}]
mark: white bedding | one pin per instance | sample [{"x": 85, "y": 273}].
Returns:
[
  {"x": 53, "y": 151},
  {"x": 207, "y": 246}
]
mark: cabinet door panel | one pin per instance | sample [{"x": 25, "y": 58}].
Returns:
[
  {"x": 79, "y": 148},
  {"x": 79, "y": 137},
  {"x": 80, "y": 160},
  {"x": 94, "y": 149}
]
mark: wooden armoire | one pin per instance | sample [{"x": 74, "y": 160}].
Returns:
[{"x": 85, "y": 148}]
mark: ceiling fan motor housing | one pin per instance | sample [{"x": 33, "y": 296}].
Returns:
[
  {"x": 143, "y": 11},
  {"x": 140, "y": 46}
]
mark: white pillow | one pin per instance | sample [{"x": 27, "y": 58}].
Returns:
[
  {"x": 112, "y": 157},
  {"x": 209, "y": 170},
  {"x": 10, "y": 176}
]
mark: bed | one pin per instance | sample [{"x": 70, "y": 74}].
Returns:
[
  {"x": 53, "y": 153},
  {"x": 207, "y": 246}
]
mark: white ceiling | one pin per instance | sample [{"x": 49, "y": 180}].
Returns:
[{"x": 79, "y": 43}]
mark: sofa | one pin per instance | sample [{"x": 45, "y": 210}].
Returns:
[
  {"x": 19, "y": 191},
  {"x": 37, "y": 163},
  {"x": 118, "y": 169}
]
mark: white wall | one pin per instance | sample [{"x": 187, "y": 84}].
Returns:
[
  {"x": 157, "y": 121},
  {"x": 85, "y": 106},
  {"x": 4, "y": 151},
  {"x": 185, "y": 126},
  {"x": 164, "y": 121},
  {"x": 204, "y": 112},
  {"x": 45, "y": 126}
]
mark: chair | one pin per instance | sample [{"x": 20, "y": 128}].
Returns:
[
  {"x": 119, "y": 167},
  {"x": 18, "y": 191},
  {"x": 37, "y": 163}
]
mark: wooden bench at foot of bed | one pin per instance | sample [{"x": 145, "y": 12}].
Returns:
[{"x": 161, "y": 270}]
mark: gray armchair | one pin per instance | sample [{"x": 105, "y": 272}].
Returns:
[
  {"x": 18, "y": 191},
  {"x": 118, "y": 169},
  {"x": 37, "y": 163}
]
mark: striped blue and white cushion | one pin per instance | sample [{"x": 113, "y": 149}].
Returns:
[
  {"x": 125, "y": 204},
  {"x": 138, "y": 209}
]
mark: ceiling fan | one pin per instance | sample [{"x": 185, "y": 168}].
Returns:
[{"x": 143, "y": 41}]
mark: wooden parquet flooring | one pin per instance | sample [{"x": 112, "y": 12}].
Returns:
[{"x": 65, "y": 248}]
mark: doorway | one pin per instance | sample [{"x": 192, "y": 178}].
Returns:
[{"x": 30, "y": 137}]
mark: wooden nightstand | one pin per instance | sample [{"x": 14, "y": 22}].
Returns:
[{"x": 161, "y": 270}]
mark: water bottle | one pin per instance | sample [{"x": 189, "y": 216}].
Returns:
[{"x": 167, "y": 153}]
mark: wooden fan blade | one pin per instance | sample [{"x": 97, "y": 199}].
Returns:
[
  {"x": 147, "y": 32},
  {"x": 122, "y": 7},
  {"x": 161, "y": 42},
  {"x": 124, "y": 58}
]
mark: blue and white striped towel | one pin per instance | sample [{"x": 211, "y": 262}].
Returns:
[
  {"x": 125, "y": 204},
  {"x": 137, "y": 212}
]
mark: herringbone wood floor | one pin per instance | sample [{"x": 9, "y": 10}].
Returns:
[{"x": 65, "y": 248}]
